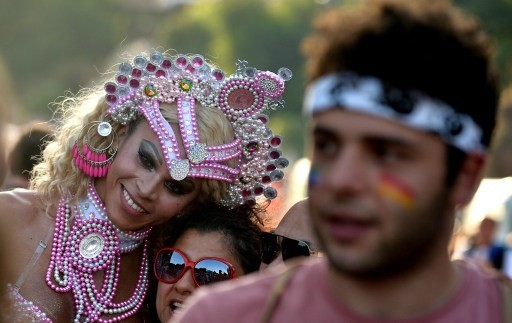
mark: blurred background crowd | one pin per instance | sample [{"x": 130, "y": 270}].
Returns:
[{"x": 48, "y": 48}]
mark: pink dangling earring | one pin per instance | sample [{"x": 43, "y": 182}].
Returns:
[{"x": 95, "y": 161}]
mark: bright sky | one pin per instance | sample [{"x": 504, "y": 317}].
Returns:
[{"x": 489, "y": 201}]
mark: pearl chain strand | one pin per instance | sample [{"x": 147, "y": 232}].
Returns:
[{"x": 90, "y": 244}]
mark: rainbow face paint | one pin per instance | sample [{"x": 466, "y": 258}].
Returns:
[
  {"x": 395, "y": 190},
  {"x": 314, "y": 176}
]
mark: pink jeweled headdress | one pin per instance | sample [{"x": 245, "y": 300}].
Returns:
[{"x": 139, "y": 89}]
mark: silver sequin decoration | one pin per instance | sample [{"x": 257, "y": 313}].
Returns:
[
  {"x": 104, "y": 129},
  {"x": 197, "y": 153},
  {"x": 180, "y": 169},
  {"x": 92, "y": 245}
]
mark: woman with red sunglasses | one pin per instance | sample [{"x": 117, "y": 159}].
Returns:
[{"x": 199, "y": 248}]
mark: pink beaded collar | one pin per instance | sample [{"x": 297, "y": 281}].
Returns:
[{"x": 87, "y": 244}]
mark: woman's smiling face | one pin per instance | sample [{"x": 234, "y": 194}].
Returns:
[
  {"x": 138, "y": 190},
  {"x": 195, "y": 245}
]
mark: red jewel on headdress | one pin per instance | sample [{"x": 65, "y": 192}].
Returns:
[
  {"x": 274, "y": 154},
  {"x": 122, "y": 79},
  {"x": 111, "y": 98},
  {"x": 150, "y": 90},
  {"x": 150, "y": 67},
  {"x": 167, "y": 64},
  {"x": 110, "y": 88},
  {"x": 190, "y": 69},
  {"x": 240, "y": 99},
  {"x": 275, "y": 141},
  {"x": 271, "y": 167},
  {"x": 136, "y": 73},
  {"x": 263, "y": 118},
  {"x": 134, "y": 83},
  {"x": 258, "y": 190},
  {"x": 160, "y": 73},
  {"x": 218, "y": 75}
]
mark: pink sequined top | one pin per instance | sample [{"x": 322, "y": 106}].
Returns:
[{"x": 24, "y": 310}]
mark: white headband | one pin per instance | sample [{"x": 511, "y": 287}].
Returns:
[{"x": 368, "y": 94}]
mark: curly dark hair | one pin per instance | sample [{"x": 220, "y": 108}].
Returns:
[
  {"x": 425, "y": 45},
  {"x": 239, "y": 226}
]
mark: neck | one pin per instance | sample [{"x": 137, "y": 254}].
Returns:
[{"x": 408, "y": 295}]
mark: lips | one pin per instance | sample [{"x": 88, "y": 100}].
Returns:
[
  {"x": 348, "y": 228},
  {"x": 131, "y": 203}
]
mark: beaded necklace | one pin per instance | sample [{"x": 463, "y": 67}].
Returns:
[{"x": 93, "y": 243}]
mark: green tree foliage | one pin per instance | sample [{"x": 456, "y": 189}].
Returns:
[
  {"x": 53, "y": 46},
  {"x": 267, "y": 34},
  {"x": 496, "y": 17}
]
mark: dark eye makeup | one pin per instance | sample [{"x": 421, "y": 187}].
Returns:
[
  {"x": 149, "y": 157},
  {"x": 145, "y": 158},
  {"x": 182, "y": 187}
]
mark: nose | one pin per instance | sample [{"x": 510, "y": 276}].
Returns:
[
  {"x": 186, "y": 284},
  {"x": 148, "y": 186}
]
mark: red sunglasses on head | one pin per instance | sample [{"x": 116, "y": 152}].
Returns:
[{"x": 171, "y": 264}]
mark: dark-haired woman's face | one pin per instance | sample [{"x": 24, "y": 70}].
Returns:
[{"x": 195, "y": 245}]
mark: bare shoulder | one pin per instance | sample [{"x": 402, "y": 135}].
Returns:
[
  {"x": 19, "y": 205},
  {"x": 24, "y": 224}
]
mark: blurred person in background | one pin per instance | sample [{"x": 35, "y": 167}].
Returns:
[
  {"x": 26, "y": 153},
  {"x": 206, "y": 246},
  {"x": 292, "y": 238},
  {"x": 402, "y": 98},
  {"x": 481, "y": 244},
  {"x": 499, "y": 165}
]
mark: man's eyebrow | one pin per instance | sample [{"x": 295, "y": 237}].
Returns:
[
  {"x": 377, "y": 138},
  {"x": 155, "y": 150},
  {"x": 390, "y": 140},
  {"x": 321, "y": 130}
]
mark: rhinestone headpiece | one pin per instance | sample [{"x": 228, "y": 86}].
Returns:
[{"x": 139, "y": 89}]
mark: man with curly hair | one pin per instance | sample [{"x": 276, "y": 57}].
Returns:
[{"x": 402, "y": 101}]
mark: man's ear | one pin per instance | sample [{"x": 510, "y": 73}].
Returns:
[{"x": 468, "y": 179}]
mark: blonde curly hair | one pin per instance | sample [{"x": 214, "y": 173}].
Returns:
[{"x": 56, "y": 174}]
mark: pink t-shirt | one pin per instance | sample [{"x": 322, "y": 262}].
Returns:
[{"x": 308, "y": 298}]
